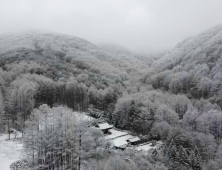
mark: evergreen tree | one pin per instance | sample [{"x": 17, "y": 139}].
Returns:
[{"x": 182, "y": 153}]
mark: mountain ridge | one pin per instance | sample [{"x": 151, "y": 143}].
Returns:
[
  {"x": 67, "y": 46},
  {"x": 183, "y": 50}
]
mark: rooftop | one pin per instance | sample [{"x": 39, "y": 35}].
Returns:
[
  {"x": 104, "y": 126},
  {"x": 121, "y": 140},
  {"x": 134, "y": 139}
]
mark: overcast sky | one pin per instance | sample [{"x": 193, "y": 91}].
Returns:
[{"x": 140, "y": 25}]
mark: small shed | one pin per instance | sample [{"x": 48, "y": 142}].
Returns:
[
  {"x": 104, "y": 127},
  {"x": 121, "y": 144},
  {"x": 134, "y": 141}
]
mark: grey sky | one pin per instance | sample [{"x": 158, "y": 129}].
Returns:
[{"x": 140, "y": 25}]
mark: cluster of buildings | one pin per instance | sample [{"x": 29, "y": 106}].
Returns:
[{"x": 121, "y": 140}]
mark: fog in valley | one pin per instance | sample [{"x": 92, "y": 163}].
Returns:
[
  {"x": 110, "y": 85},
  {"x": 144, "y": 26}
]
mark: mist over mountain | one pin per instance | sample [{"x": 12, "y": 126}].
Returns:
[
  {"x": 110, "y": 85},
  {"x": 126, "y": 58},
  {"x": 46, "y": 45},
  {"x": 107, "y": 57}
]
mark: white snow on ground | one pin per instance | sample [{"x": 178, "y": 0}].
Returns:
[
  {"x": 121, "y": 140},
  {"x": 10, "y": 151},
  {"x": 148, "y": 146},
  {"x": 115, "y": 134}
]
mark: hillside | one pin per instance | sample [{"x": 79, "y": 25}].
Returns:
[
  {"x": 127, "y": 59},
  {"x": 49, "y": 63},
  {"x": 42, "y": 67},
  {"x": 179, "y": 101},
  {"x": 47, "y": 45},
  {"x": 193, "y": 67},
  {"x": 205, "y": 48}
]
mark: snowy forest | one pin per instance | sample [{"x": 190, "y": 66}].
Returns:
[{"x": 51, "y": 82}]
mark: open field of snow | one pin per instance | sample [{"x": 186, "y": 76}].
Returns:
[{"x": 10, "y": 151}]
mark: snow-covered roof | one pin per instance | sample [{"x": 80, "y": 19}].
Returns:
[
  {"x": 135, "y": 139},
  {"x": 120, "y": 143},
  {"x": 104, "y": 126},
  {"x": 115, "y": 134},
  {"x": 121, "y": 140},
  {"x": 123, "y": 146}
]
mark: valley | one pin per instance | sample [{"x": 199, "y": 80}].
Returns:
[{"x": 163, "y": 113}]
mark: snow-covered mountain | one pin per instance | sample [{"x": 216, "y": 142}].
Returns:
[
  {"x": 205, "y": 48},
  {"x": 193, "y": 67},
  {"x": 42, "y": 44},
  {"x": 125, "y": 58}
]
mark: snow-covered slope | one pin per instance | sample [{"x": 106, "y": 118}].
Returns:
[
  {"x": 204, "y": 48},
  {"x": 38, "y": 45},
  {"x": 125, "y": 58},
  {"x": 41, "y": 44},
  {"x": 193, "y": 67},
  {"x": 10, "y": 151}
]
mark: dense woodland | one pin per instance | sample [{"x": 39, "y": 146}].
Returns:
[{"x": 176, "y": 99}]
